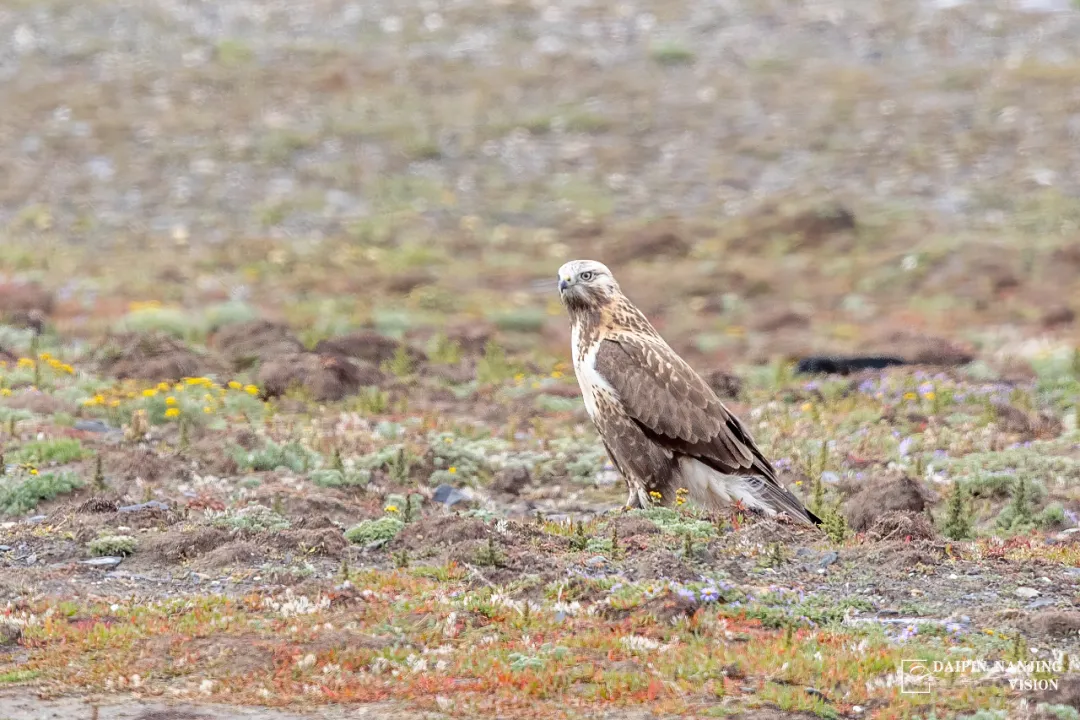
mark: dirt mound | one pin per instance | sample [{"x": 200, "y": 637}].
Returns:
[
  {"x": 176, "y": 546},
  {"x": 245, "y": 344},
  {"x": 241, "y": 552},
  {"x": 922, "y": 349},
  {"x": 1040, "y": 426},
  {"x": 440, "y": 530},
  {"x": 38, "y": 402},
  {"x": 662, "y": 238},
  {"x": 140, "y": 463},
  {"x": 510, "y": 481},
  {"x": 901, "y": 526},
  {"x": 724, "y": 384},
  {"x": 1055, "y": 623},
  {"x": 154, "y": 356},
  {"x": 884, "y": 497},
  {"x": 806, "y": 227},
  {"x": 664, "y": 609},
  {"x": 328, "y": 541},
  {"x": 368, "y": 346},
  {"x": 22, "y": 299},
  {"x": 326, "y": 377}
]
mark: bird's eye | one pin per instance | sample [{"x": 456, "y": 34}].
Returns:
[{"x": 586, "y": 276}]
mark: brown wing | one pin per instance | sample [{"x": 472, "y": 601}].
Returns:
[{"x": 676, "y": 408}]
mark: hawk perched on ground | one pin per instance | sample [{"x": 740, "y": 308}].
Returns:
[{"x": 662, "y": 425}]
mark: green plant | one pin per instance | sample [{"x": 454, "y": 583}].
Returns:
[
  {"x": 372, "y": 530},
  {"x": 112, "y": 545},
  {"x": 292, "y": 455},
  {"x": 60, "y": 451},
  {"x": 20, "y": 493},
  {"x": 958, "y": 525}
]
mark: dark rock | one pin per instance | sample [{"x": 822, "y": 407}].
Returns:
[
  {"x": 448, "y": 495},
  {"x": 510, "y": 481}
]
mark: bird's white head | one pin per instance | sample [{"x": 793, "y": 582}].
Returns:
[{"x": 585, "y": 284}]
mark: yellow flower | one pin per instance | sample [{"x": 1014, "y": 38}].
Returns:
[
  {"x": 519, "y": 377},
  {"x": 114, "y": 403},
  {"x": 149, "y": 392},
  {"x": 452, "y": 470},
  {"x": 391, "y": 508},
  {"x": 235, "y": 385},
  {"x": 192, "y": 381},
  {"x": 208, "y": 398},
  {"x": 172, "y": 412},
  {"x": 806, "y": 407},
  {"x": 251, "y": 390},
  {"x": 930, "y": 395},
  {"x": 556, "y": 374},
  {"x": 208, "y": 410},
  {"x": 170, "y": 401},
  {"x": 909, "y": 396},
  {"x": 45, "y": 356},
  {"x": 655, "y": 495},
  {"x": 26, "y": 362},
  {"x": 68, "y": 369},
  {"x": 33, "y": 471},
  {"x": 5, "y": 391},
  {"x": 163, "y": 386}
]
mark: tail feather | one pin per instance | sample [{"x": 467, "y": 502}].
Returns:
[{"x": 715, "y": 490}]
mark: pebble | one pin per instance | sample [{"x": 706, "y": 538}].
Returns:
[
  {"x": 1026, "y": 593},
  {"x": 154, "y": 504},
  {"x": 94, "y": 426},
  {"x": 108, "y": 561},
  {"x": 448, "y": 495}
]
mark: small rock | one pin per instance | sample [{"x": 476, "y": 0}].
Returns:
[
  {"x": 10, "y": 633},
  {"x": 5, "y": 548},
  {"x": 448, "y": 495},
  {"x": 1026, "y": 593},
  {"x": 1041, "y": 603},
  {"x": 31, "y": 558},
  {"x": 828, "y": 559},
  {"x": 510, "y": 480},
  {"x": 35, "y": 519},
  {"x": 94, "y": 426},
  {"x": 108, "y": 561},
  {"x": 152, "y": 504}
]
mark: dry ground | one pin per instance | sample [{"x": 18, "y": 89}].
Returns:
[{"x": 302, "y": 395}]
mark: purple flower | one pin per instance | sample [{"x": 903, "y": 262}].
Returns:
[
  {"x": 687, "y": 594},
  {"x": 710, "y": 594},
  {"x": 907, "y": 633},
  {"x": 905, "y": 445}
]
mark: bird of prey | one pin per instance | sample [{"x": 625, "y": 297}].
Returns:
[{"x": 663, "y": 427}]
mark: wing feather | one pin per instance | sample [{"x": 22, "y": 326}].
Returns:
[{"x": 676, "y": 407}]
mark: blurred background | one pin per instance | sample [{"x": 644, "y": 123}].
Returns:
[{"x": 765, "y": 177}]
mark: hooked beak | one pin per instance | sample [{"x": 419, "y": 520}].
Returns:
[{"x": 563, "y": 284}]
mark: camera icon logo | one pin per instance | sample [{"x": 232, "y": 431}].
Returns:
[{"x": 915, "y": 677}]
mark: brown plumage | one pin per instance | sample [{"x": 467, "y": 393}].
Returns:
[{"x": 662, "y": 425}]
